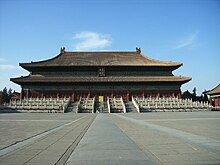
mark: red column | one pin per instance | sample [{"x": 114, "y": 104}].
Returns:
[
  {"x": 21, "y": 95},
  {"x": 218, "y": 100},
  {"x": 27, "y": 93},
  {"x": 112, "y": 94},
  {"x": 158, "y": 93},
  {"x": 173, "y": 94},
  {"x": 179, "y": 95},
  {"x": 72, "y": 97},
  {"x": 127, "y": 95},
  {"x": 143, "y": 94}
]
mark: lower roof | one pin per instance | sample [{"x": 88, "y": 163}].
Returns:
[
  {"x": 214, "y": 91},
  {"x": 80, "y": 79}
]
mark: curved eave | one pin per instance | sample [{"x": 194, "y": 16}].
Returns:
[
  {"x": 70, "y": 79},
  {"x": 163, "y": 63},
  {"x": 19, "y": 80},
  {"x": 30, "y": 67},
  {"x": 32, "y": 64},
  {"x": 214, "y": 91}
]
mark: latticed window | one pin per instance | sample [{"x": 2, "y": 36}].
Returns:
[{"x": 101, "y": 72}]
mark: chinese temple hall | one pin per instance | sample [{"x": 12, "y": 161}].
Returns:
[
  {"x": 100, "y": 75},
  {"x": 82, "y": 82}
]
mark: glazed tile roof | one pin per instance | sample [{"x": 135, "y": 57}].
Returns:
[
  {"x": 214, "y": 91},
  {"x": 41, "y": 78},
  {"x": 99, "y": 59}
]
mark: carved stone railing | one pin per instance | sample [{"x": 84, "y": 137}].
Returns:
[
  {"x": 135, "y": 104},
  {"x": 108, "y": 105},
  {"x": 41, "y": 104},
  {"x": 77, "y": 107},
  {"x": 123, "y": 105},
  {"x": 93, "y": 104}
]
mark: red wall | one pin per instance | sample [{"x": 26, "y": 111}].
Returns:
[{"x": 217, "y": 101}]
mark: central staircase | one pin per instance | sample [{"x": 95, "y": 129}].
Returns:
[
  {"x": 101, "y": 107},
  {"x": 130, "y": 108}
]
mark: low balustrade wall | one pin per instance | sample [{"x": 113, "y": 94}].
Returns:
[
  {"x": 169, "y": 104},
  {"x": 41, "y": 104}
]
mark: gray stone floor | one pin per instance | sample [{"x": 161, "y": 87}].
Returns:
[
  {"x": 146, "y": 138},
  {"x": 175, "y": 138},
  {"x": 105, "y": 143},
  {"x": 47, "y": 144}
]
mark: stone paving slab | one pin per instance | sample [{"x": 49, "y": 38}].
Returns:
[
  {"x": 111, "y": 162},
  {"x": 19, "y": 126},
  {"x": 49, "y": 148},
  {"x": 167, "y": 147},
  {"x": 105, "y": 143}
]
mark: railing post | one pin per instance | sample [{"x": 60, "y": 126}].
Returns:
[
  {"x": 123, "y": 105},
  {"x": 93, "y": 102},
  {"x": 77, "y": 106},
  {"x": 135, "y": 104},
  {"x": 108, "y": 105}
]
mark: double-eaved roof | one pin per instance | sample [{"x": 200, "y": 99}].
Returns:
[{"x": 99, "y": 59}]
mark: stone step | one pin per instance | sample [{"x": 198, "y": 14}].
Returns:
[
  {"x": 130, "y": 108},
  {"x": 71, "y": 107}
]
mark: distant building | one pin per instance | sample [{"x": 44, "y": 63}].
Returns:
[
  {"x": 215, "y": 96},
  {"x": 15, "y": 96},
  {"x": 95, "y": 74}
]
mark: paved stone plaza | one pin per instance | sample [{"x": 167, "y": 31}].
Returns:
[{"x": 132, "y": 138}]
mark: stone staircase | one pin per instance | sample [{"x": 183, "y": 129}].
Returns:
[
  {"x": 105, "y": 110},
  {"x": 101, "y": 108},
  {"x": 144, "y": 109},
  {"x": 130, "y": 108},
  {"x": 72, "y": 107},
  {"x": 86, "y": 105}
]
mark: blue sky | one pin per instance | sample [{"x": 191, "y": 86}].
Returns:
[{"x": 186, "y": 31}]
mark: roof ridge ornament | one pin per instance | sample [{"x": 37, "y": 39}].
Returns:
[
  {"x": 62, "y": 50},
  {"x": 138, "y": 50}
]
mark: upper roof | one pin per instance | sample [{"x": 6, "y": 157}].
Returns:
[
  {"x": 214, "y": 91},
  {"x": 134, "y": 58}
]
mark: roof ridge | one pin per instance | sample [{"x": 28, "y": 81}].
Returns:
[{"x": 82, "y": 52}]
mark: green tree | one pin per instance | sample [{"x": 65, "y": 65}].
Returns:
[
  {"x": 1, "y": 97},
  {"x": 5, "y": 95}
]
